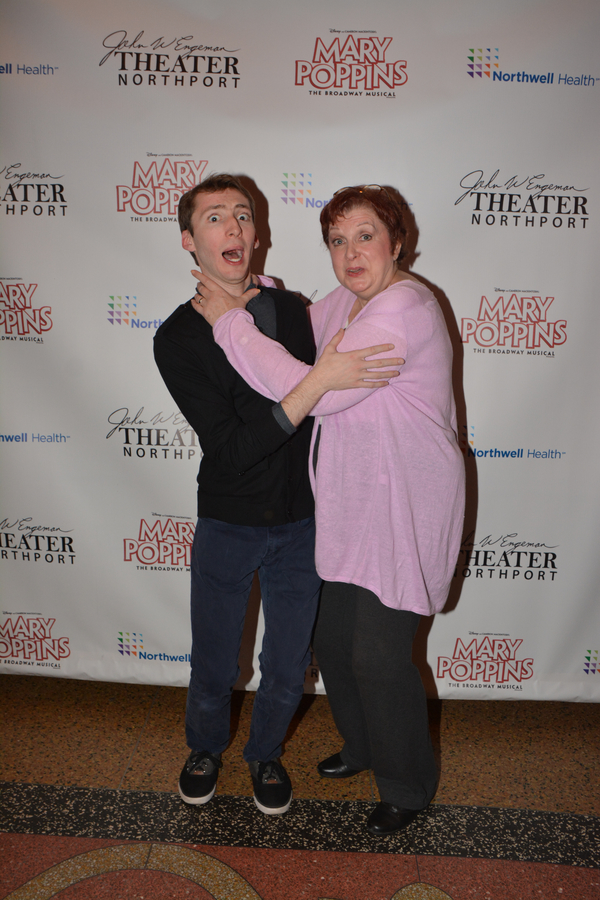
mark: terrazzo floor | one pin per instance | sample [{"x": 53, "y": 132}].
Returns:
[{"x": 89, "y": 805}]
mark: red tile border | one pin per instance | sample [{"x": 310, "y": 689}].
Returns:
[{"x": 280, "y": 874}]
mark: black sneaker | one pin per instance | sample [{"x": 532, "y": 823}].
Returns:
[
  {"x": 198, "y": 779},
  {"x": 272, "y": 787}
]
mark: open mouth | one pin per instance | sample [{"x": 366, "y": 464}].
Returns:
[
  {"x": 356, "y": 271},
  {"x": 233, "y": 255}
]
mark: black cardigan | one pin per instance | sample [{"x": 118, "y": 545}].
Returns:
[{"x": 252, "y": 471}]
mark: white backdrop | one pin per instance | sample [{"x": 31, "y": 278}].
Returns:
[{"x": 482, "y": 112}]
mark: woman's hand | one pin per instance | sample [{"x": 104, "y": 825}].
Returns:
[
  {"x": 340, "y": 371},
  {"x": 212, "y": 301}
]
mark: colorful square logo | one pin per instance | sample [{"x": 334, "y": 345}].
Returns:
[
  {"x": 296, "y": 187},
  {"x": 130, "y": 642},
  {"x": 482, "y": 61},
  {"x": 121, "y": 310},
  {"x": 467, "y": 437}
]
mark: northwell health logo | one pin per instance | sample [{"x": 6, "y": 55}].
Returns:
[
  {"x": 298, "y": 190},
  {"x": 39, "y": 69},
  {"x": 131, "y": 643},
  {"x": 123, "y": 310},
  {"x": 590, "y": 666},
  {"x": 467, "y": 445},
  {"x": 36, "y": 437},
  {"x": 484, "y": 61}
]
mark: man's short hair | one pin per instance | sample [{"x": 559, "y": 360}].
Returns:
[{"x": 221, "y": 181}]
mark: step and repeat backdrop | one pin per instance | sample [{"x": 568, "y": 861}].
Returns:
[{"x": 483, "y": 113}]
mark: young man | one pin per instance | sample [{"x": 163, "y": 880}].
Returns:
[{"x": 255, "y": 506}]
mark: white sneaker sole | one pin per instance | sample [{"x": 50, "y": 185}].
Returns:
[
  {"x": 197, "y": 801},
  {"x": 273, "y": 810}
]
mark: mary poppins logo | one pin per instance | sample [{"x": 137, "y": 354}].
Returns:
[
  {"x": 356, "y": 66},
  {"x": 19, "y": 318},
  {"x": 489, "y": 660},
  {"x": 162, "y": 545},
  {"x": 157, "y": 187},
  {"x": 28, "y": 639},
  {"x": 515, "y": 323}
]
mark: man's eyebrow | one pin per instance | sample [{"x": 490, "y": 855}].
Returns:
[{"x": 223, "y": 206}]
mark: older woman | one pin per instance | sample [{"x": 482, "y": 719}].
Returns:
[{"x": 388, "y": 478}]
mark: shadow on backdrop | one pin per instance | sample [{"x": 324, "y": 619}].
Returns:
[
  {"x": 420, "y": 644},
  {"x": 263, "y": 231}
]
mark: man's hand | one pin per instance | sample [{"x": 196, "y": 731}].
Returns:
[
  {"x": 212, "y": 301},
  {"x": 340, "y": 371}
]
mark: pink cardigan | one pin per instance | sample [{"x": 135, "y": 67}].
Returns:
[{"x": 389, "y": 484}]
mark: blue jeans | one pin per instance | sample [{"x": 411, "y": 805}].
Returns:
[{"x": 224, "y": 559}]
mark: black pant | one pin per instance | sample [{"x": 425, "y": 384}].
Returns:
[{"x": 364, "y": 650}]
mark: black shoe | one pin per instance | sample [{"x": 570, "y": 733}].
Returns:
[
  {"x": 272, "y": 787},
  {"x": 334, "y": 767},
  {"x": 386, "y": 819},
  {"x": 198, "y": 779}
]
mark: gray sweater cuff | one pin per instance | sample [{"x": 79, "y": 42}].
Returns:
[{"x": 282, "y": 419}]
